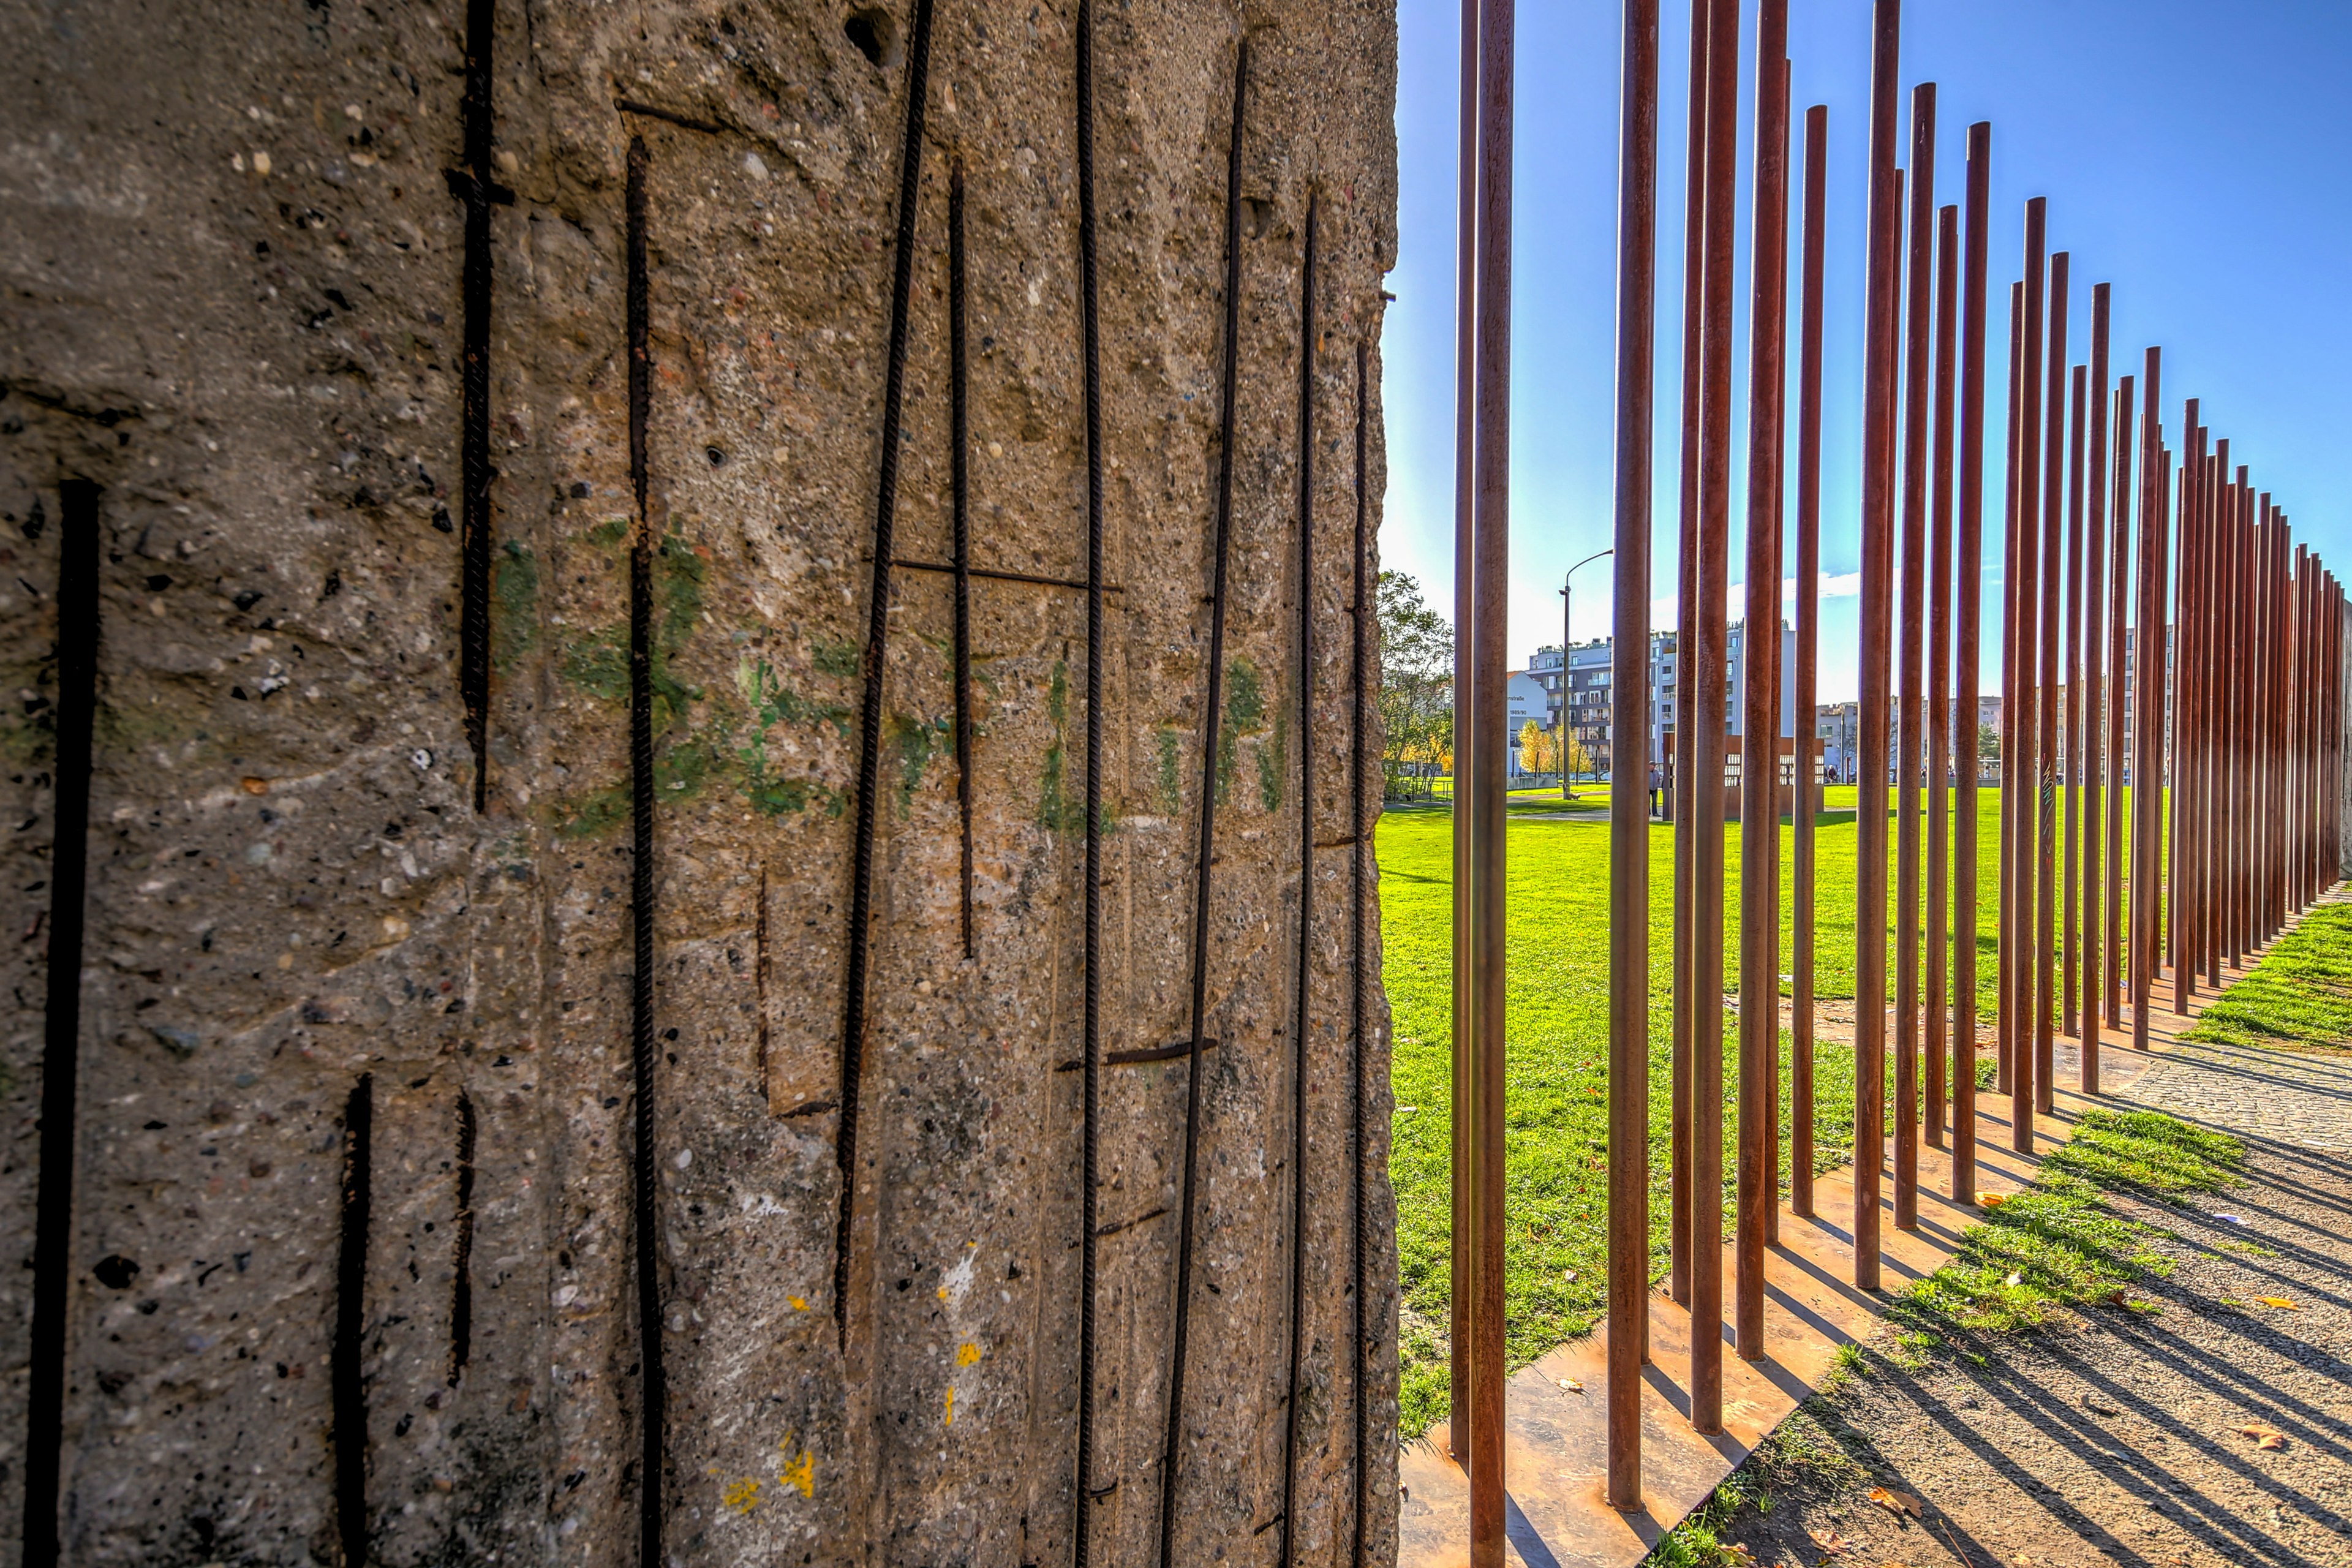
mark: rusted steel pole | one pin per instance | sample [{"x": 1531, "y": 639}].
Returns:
[
  {"x": 1684, "y": 776},
  {"x": 2270, "y": 806},
  {"x": 2180, "y": 888},
  {"x": 1487, "y": 812},
  {"x": 1707, "y": 750},
  {"x": 2046, "y": 755},
  {"x": 1777, "y": 397},
  {"x": 2299, "y": 792},
  {"x": 2268, "y": 802},
  {"x": 2071, "y": 696},
  {"x": 2115, "y": 983},
  {"x": 2148, "y": 662},
  {"x": 2244, "y": 576},
  {"x": 1808, "y": 633},
  {"x": 1880, "y": 358},
  {"x": 2221, "y": 614},
  {"x": 1759, "y": 718},
  {"x": 2025, "y": 568},
  {"x": 1910, "y": 640},
  {"x": 1629, "y": 718},
  {"x": 2006, "y": 1013},
  {"x": 2210, "y": 651},
  {"x": 2092, "y": 686},
  {"x": 1971, "y": 590},
  {"x": 1940, "y": 718},
  {"x": 2230, "y": 678},
  {"x": 1465, "y": 747}
]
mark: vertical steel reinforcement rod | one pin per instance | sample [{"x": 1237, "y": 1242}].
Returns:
[
  {"x": 1629, "y": 827},
  {"x": 1683, "y": 777},
  {"x": 1939, "y": 672},
  {"x": 1492, "y": 457},
  {"x": 1971, "y": 589},
  {"x": 2004, "y": 914},
  {"x": 2115, "y": 980},
  {"x": 1302, "y": 976},
  {"x": 1884, "y": 266},
  {"x": 2017, "y": 969},
  {"x": 1205, "y": 849},
  {"x": 1910, "y": 649},
  {"x": 1708, "y": 750},
  {"x": 1082, "y": 1490},
  {"x": 2148, "y": 657},
  {"x": 1809, "y": 639},
  {"x": 1465, "y": 737},
  {"x": 2046, "y": 757},
  {"x": 2093, "y": 686},
  {"x": 1759, "y": 817}
]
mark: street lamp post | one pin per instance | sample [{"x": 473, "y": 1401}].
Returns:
[{"x": 1567, "y": 683}]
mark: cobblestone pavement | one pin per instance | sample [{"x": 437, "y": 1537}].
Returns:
[{"x": 2299, "y": 1098}]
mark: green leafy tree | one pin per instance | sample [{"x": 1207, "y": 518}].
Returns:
[{"x": 1416, "y": 690}]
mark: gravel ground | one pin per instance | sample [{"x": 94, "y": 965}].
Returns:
[{"x": 2112, "y": 1436}]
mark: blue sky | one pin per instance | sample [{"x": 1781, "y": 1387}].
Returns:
[{"x": 2198, "y": 158}]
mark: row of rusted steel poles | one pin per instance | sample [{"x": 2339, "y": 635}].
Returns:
[
  {"x": 2069, "y": 751},
  {"x": 2250, "y": 729}
]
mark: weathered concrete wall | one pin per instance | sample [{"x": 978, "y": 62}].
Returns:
[{"x": 355, "y": 1238}]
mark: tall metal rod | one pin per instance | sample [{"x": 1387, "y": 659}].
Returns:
[
  {"x": 1808, "y": 633},
  {"x": 2093, "y": 686},
  {"x": 2179, "y": 885},
  {"x": 2148, "y": 662},
  {"x": 1466, "y": 685},
  {"x": 1877, "y": 584},
  {"x": 1303, "y": 956},
  {"x": 1759, "y": 718},
  {"x": 1940, "y": 716},
  {"x": 1629, "y": 697},
  {"x": 1496, "y": 25},
  {"x": 1172, "y": 1445},
  {"x": 1777, "y": 396},
  {"x": 2114, "y": 982},
  {"x": 2046, "y": 757},
  {"x": 2070, "y": 689},
  {"x": 2005, "y": 916},
  {"x": 1708, "y": 750},
  {"x": 1910, "y": 638},
  {"x": 1684, "y": 777},
  {"x": 1971, "y": 590},
  {"x": 2018, "y": 965},
  {"x": 2244, "y": 638}
]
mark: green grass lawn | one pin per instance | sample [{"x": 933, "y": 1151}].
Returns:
[
  {"x": 2300, "y": 994},
  {"x": 1558, "y": 1016}
]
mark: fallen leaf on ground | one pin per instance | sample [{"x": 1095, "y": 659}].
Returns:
[
  {"x": 2278, "y": 1302},
  {"x": 1570, "y": 1384},
  {"x": 1992, "y": 1200},
  {"x": 2116, "y": 1298},
  {"x": 1830, "y": 1541},
  {"x": 1898, "y": 1502},
  {"x": 2263, "y": 1437}
]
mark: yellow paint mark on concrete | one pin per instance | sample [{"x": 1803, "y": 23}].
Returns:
[
  {"x": 742, "y": 1495},
  {"x": 800, "y": 1470},
  {"x": 951, "y": 1404},
  {"x": 800, "y": 1304},
  {"x": 967, "y": 1354}
]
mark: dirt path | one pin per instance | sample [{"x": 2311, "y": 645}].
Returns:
[{"x": 2112, "y": 1437}]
